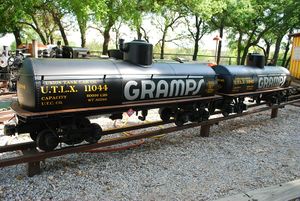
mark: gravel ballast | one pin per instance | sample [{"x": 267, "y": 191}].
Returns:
[{"x": 241, "y": 154}]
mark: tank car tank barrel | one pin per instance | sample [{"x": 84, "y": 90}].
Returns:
[{"x": 47, "y": 86}]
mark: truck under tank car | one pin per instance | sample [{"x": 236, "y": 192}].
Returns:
[{"x": 55, "y": 97}]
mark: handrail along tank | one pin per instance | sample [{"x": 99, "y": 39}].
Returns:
[
  {"x": 57, "y": 84},
  {"x": 254, "y": 76}
]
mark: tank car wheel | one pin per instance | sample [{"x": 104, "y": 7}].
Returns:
[
  {"x": 179, "y": 119},
  {"x": 82, "y": 122},
  {"x": 212, "y": 108},
  {"x": 71, "y": 139},
  {"x": 259, "y": 99},
  {"x": 47, "y": 140},
  {"x": 33, "y": 135},
  {"x": 225, "y": 114},
  {"x": 95, "y": 133},
  {"x": 205, "y": 114},
  {"x": 165, "y": 114}
]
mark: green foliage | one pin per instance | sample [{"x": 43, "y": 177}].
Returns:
[
  {"x": 13, "y": 46},
  {"x": 250, "y": 24},
  {"x": 204, "y": 8},
  {"x": 94, "y": 45},
  {"x": 10, "y": 12},
  {"x": 29, "y": 35}
]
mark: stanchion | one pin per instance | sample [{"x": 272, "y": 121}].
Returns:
[
  {"x": 33, "y": 168},
  {"x": 274, "y": 113},
  {"x": 204, "y": 132}
]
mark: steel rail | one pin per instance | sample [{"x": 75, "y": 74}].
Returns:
[
  {"x": 19, "y": 146},
  {"x": 39, "y": 156},
  {"x": 32, "y": 144},
  {"x": 7, "y": 93}
]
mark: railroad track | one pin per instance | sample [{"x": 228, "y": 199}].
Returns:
[
  {"x": 32, "y": 156},
  {"x": 7, "y": 93}
]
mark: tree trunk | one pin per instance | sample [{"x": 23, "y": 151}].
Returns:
[
  {"x": 277, "y": 49},
  {"x": 61, "y": 28},
  {"x": 245, "y": 53},
  {"x": 268, "y": 48},
  {"x": 197, "y": 38},
  {"x": 196, "y": 49},
  {"x": 162, "y": 48},
  {"x": 239, "y": 49},
  {"x": 146, "y": 37},
  {"x": 220, "y": 43},
  {"x": 287, "y": 48},
  {"x": 83, "y": 38},
  {"x": 51, "y": 39},
  {"x": 288, "y": 62},
  {"x": 117, "y": 37},
  {"x": 251, "y": 43},
  {"x": 44, "y": 41},
  {"x": 117, "y": 41},
  {"x": 17, "y": 35},
  {"x": 286, "y": 51},
  {"x": 139, "y": 33},
  {"x": 246, "y": 49},
  {"x": 82, "y": 29},
  {"x": 38, "y": 30},
  {"x": 106, "y": 36}
]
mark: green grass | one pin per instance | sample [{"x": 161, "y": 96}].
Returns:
[{"x": 5, "y": 104}]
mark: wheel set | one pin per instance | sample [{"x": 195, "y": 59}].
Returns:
[
  {"x": 47, "y": 139},
  {"x": 184, "y": 115}
]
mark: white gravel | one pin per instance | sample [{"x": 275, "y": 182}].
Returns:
[{"x": 241, "y": 155}]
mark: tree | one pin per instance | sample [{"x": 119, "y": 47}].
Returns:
[
  {"x": 290, "y": 20},
  {"x": 166, "y": 19},
  {"x": 137, "y": 10},
  {"x": 28, "y": 14},
  {"x": 57, "y": 11},
  {"x": 37, "y": 18},
  {"x": 268, "y": 21},
  {"x": 81, "y": 11},
  {"x": 201, "y": 11},
  {"x": 106, "y": 14},
  {"x": 286, "y": 49},
  {"x": 242, "y": 16},
  {"x": 10, "y": 13}
]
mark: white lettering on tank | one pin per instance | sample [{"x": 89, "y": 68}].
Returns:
[
  {"x": 148, "y": 88},
  {"x": 190, "y": 86},
  {"x": 162, "y": 88},
  {"x": 282, "y": 80},
  {"x": 176, "y": 85},
  {"x": 266, "y": 82},
  {"x": 272, "y": 81},
  {"x": 199, "y": 87},
  {"x": 260, "y": 82},
  {"x": 135, "y": 92}
]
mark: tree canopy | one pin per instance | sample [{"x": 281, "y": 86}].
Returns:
[{"x": 246, "y": 24}]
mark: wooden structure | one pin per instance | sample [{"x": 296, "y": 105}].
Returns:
[
  {"x": 295, "y": 56},
  {"x": 32, "y": 48},
  {"x": 287, "y": 191}
]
